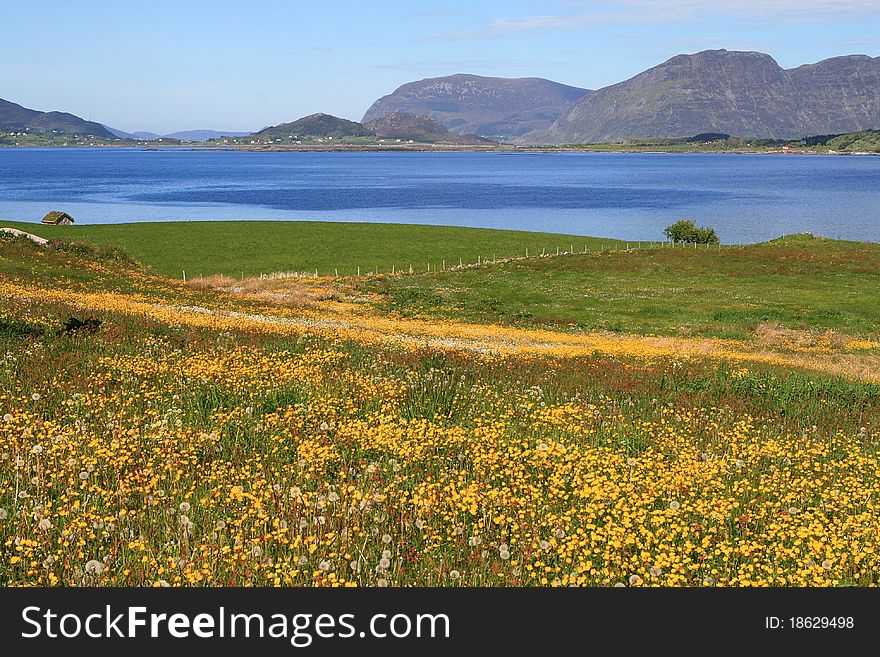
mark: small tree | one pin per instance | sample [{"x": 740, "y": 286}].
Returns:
[{"x": 685, "y": 230}]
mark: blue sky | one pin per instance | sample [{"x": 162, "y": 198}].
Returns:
[{"x": 165, "y": 66}]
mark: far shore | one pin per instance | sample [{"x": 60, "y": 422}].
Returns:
[{"x": 434, "y": 148}]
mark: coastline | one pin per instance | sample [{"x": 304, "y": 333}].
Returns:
[{"x": 428, "y": 148}]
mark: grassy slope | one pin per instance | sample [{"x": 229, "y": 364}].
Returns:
[
  {"x": 253, "y": 247},
  {"x": 798, "y": 282}
]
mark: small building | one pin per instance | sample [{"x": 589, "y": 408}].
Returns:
[{"x": 58, "y": 219}]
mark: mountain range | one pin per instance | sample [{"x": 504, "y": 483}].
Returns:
[{"x": 744, "y": 94}]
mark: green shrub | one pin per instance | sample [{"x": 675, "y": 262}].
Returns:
[{"x": 685, "y": 230}]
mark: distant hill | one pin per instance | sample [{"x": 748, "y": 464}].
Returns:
[
  {"x": 746, "y": 94},
  {"x": 315, "y": 125},
  {"x": 184, "y": 135},
  {"x": 865, "y": 141},
  {"x": 498, "y": 108},
  {"x": 400, "y": 125},
  {"x": 146, "y": 136},
  {"x": 204, "y": 135},
  {"x": 14, "y": 117}
]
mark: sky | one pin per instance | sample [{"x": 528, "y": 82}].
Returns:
[{"x": 163, "y": 66}]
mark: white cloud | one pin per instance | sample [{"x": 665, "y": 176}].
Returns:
[{"x": 594, "y": 14}]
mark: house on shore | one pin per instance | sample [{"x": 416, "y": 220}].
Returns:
[{"x": 58, "y": 219}]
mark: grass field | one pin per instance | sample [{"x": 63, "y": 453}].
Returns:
[
  {"x": 342, "y": 432},
  {"x": 253, "y": 247},
  {"x": 799, "y": 282}
]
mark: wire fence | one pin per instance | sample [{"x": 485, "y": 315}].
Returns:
[{"x": 444, "y": 265}]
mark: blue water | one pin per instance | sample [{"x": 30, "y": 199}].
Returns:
[{"x": 630, "y": 196}]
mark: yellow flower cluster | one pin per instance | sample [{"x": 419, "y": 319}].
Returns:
[
  {"x": 253, "y": 467},
  {"x": 259, "y": 445},
  {"x": 340, "y": 321}
]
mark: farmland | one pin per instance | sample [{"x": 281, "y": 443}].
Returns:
[{"x": 402, "y": 430}]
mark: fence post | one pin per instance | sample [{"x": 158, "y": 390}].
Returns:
[{"x": 184, "y": 276}]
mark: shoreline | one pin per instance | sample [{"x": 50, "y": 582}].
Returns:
[{"x": 426, "y": 148}]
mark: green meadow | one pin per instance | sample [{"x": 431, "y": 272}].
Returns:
[
  {"x": 249, "y": 248},
  {"x": 799, "y": 282}
]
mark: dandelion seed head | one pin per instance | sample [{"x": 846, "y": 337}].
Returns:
[{"x": 94, "y": 567}]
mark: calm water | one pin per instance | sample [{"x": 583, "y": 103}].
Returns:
[{"x": 630, "y": 196}]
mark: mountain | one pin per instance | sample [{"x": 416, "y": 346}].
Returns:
[
  {"x": 498, "y": 108},
  {"x": 14, "y": 117},
  {"x": 424, "y": 129},
  {"x": 746, "y": 94},
  {"x": 842, "y": 94},
  {"x": 315, "y": 125},
  {"x": 204, "y": 135}
]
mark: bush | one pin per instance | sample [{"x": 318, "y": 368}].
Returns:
[{"x": 685, "y": 230}]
